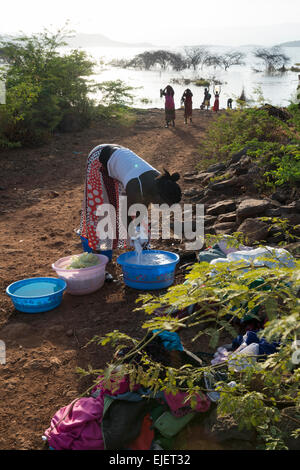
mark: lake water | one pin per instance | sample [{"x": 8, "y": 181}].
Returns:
[{"x": 277, "y": 89}]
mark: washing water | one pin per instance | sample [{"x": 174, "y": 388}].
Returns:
[
  {"x": 37, "y": 289},
  {"x": 149, "y": 259}
]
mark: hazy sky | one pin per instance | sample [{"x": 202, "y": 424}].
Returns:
[{"x": 174, "y": 22}]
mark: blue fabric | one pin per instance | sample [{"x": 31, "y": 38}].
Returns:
[
  {"x": 251, "y": 337},
  {"x": 171, "y": 341}
]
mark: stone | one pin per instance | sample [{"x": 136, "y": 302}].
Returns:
[
  {"x": 221, "y": 207},
  {"x": 236, "y": 157},
  {"x": 291, "y": 208},
  {"x": 273, "y": 212},
  {"x": 230, "y": 217},
  {"x": 251, "y": 207},
  {"x": 210, "y": 219},
  {"x": 254, "y": 230},
  {"x": 279, "y": 196},
  {"x": 216, "y": 168},
  {"x": 231, "y": 183},
  {"x": 225, "y": 227}
]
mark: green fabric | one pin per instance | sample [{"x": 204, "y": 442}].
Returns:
[{"x": 168, "y": 425}]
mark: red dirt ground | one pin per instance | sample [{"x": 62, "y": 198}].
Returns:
[{"x": 40, "y": 201}]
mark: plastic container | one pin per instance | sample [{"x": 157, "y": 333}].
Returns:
[
  {"x": 81, "y": 281},
  {"x": 87, "y": 249},
  {"x": 148, "y": 277},
  {"x": 37, "y": 294}
]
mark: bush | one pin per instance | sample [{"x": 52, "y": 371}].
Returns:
[
  {"x": 262, "y": 388},
  {"x": 42, "y": 87},
  {"x": 273, "y": 144}
]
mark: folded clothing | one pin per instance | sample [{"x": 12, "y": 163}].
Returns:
[{"x": 251, "y": 337}]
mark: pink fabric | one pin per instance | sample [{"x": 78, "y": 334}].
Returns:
[
  {"x": 78, "y": 425},
  {"x": 176, "y": 402},
  {"x": 169, "y": 102}
]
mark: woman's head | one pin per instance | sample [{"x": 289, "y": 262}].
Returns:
[
  {"x": 169, "y": 90},
  {"x": 168, "y": 189}
]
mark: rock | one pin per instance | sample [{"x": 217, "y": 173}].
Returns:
[
  {"x": 210, "y": 219},
  {"x": 216, "y": 168},
  {"x": 221, "y": 207},
  {"x": 279, "y": 196},
  {"x": 236, "y": 157},
  {"x": 251, "y": 207},
  {"x": 225, "y": 227},
  {"x": 291, "y": 208},
  {"x": 230, "y": 217},
  {"x": 254, "y": 230},
  {"x": 225, "y": 428},
  {"x": 280, "y": 113},
  {"x": 274, "y": 212},
  {"x": 69, "y": 333},
  {"x": 293, "y": 219},
  {"x": 231, "y": 183}
]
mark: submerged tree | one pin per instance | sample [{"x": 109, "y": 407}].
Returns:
[
  {"x": 232, "y": 58},
  {"x": 195, "y": 56},
  {"x": 213, "y": 60},
  {"x": 274, "y": 58}
]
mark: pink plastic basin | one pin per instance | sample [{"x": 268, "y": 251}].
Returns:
[{"x": 81, "y": 281}]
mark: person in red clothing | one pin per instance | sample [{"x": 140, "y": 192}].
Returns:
[
  {"x": 168, "y": 93},
  {"x": 188, "y": 105},
  {"x": 216, "y": 103}
]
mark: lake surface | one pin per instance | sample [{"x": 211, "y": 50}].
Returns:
[{"x": 277, "y": 89}]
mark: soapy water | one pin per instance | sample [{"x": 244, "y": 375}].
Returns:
[{"x": 149, "y": 259}]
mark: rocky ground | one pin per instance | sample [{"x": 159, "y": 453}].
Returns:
[{"x": 40, "y": 200}]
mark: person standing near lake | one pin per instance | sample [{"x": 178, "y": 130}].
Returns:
[
  {"x": 169, "y": 93},
  {"x": 206, "y": 101},
  {"x": 217, "y": 102},
  {"x": 188, "y": 105}
]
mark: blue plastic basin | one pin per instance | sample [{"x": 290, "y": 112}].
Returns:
[
  {"x": 37, "y": 294},
  {"x": 148, "y": 277}
]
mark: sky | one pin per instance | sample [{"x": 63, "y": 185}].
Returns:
[{"x": 228, "y": 22}]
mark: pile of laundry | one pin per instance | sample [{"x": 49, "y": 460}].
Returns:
[{"x": 121, "y": 418}]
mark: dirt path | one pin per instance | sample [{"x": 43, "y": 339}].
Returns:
[{"x": 40, "y": 201}]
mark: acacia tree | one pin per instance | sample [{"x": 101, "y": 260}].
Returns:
[
  {"x": 213, "y": 60},
  {"x": 195, "y": 56},
  {"x": 232, "y": 58},
  {"x": 273, "y": 58}
]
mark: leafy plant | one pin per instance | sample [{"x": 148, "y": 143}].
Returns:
[
  {"x": 43, "y": 87},
  {"x": 222, "y": 295}
]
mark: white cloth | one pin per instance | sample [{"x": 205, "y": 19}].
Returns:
[{"x": 124, "y": 165}]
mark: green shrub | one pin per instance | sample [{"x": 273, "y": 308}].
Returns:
[{"x": 43, "y": 86}]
